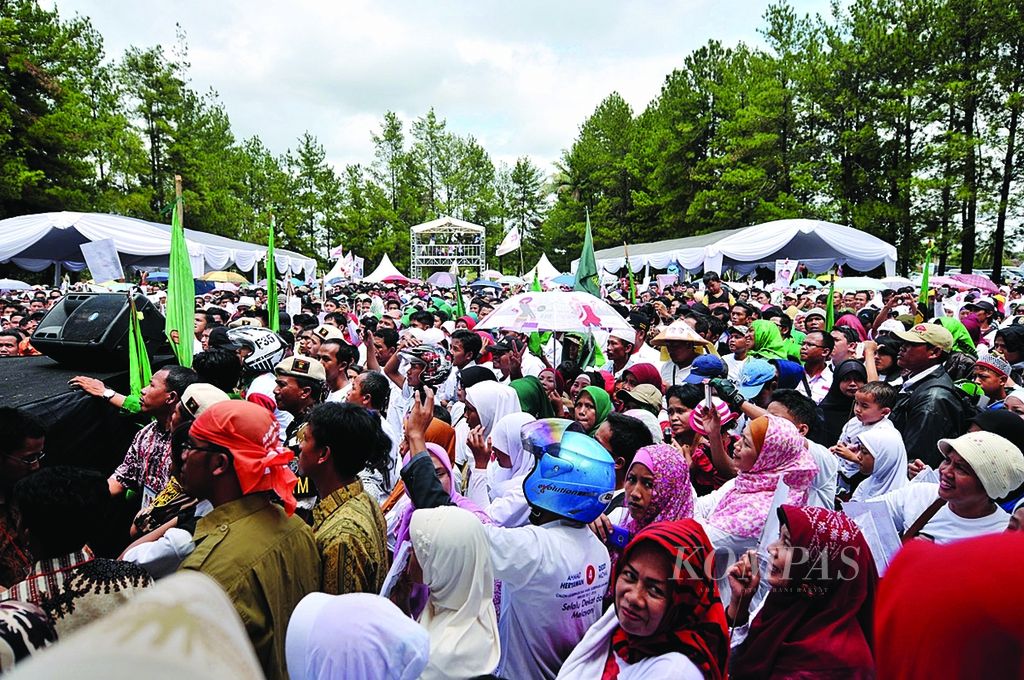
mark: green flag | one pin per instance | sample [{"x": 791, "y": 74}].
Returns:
[
  {"x": 587, "y": 278},
  {"x": 629, "y": 273},
  {"x": 535, "y": 286},
  {"x": 830, "y": 304},
  {"x": 536, "y": 341},
  {"x": 922, "y": 299},
  {"x": 139, "y": 371},
  {"x": 181, "y": 293},
  {"x": 272, "y": 314}
]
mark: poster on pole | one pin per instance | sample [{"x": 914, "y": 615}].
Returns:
[
  {"x": 102, "y": 260},
  {"x": 784, "y": 271}
]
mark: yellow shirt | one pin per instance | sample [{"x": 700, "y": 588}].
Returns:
[
  {"x": 266, "y": 562},
  {"x": 351, "y": 535}
]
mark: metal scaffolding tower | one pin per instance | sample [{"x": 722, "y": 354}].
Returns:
[{"x": 441, "y": 243}]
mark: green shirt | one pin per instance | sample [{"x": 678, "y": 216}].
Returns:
[
  {"x": 266, "y": 562},
  {"x": 351, "y": 535}
]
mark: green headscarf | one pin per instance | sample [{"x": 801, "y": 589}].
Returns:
[
  {"x": 792, "y": 345},
  {"x": 532, "y": 397},
  {"x": 962, "y": 341},
  {"x": 768, "y": 343},
  {"x": 602, "y": 402}
]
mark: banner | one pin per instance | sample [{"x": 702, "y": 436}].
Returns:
[
  {"x": 513, "y": 239},
  {"x": 336, "y": 252},
  {"x": 784, "y": 271},
  {"x": 102, "y": 260}
]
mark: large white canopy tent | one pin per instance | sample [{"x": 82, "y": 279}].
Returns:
[
  {"x": 35, "y": 242},
  {"x": 440, "y": 244},
  {"x": 544, "y": 269},
  {"x": 383, "y": 270},
  {"x": 818, "y": 244}
]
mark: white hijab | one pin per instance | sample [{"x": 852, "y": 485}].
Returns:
[
  {"x": 890, "y": 471},
  {"x": 492, "y": 401},
  {"x": 454, "y": 553},
  {"x": 507, "y": 439},
  {"x": 357, "y": 635}
]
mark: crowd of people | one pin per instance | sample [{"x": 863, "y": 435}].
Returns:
[{"x": 737, "y": 486}]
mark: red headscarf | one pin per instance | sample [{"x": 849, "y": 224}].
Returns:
[
  {"x": 646, "y": 374},
  {"x": 851, "y": 321},
  {"x": 953, "y": 611},
  {"x": 694, "y": 624},
  {"x": 821, "y": 621},
  {"x": 485, "y": 354},
  {"x": 250, "y": 433},
  {"x": 469, "y": 321}
]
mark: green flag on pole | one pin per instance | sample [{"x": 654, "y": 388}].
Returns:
[
  {"x": 587, "y": 278},
  {"x": 830, "y": 304},
  {"x": 272, "y": 314},
  {"x": 922, "y": 299},
  {"x": 460, "y": 303},
  {"x": 139, "y": 371},
  {"x": 535, "y": 285},
  {"x": 181, "y": 289}
]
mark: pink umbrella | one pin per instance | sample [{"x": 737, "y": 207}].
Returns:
[
  {"x": 978, "y": 281},
  {"x": 947, "y": 281},
  {"x": 396, "y": 278}
]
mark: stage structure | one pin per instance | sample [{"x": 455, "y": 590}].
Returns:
[{"x": 439, "y": 244}]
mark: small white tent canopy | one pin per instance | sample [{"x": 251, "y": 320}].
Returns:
[
  {"x": 544, "y": 269},
  {"x": 818, "y": 244},
  {"x": 35, "y": 242},
  {"x": 447, "y": 224},
  {"x": 383, "y": 270}
]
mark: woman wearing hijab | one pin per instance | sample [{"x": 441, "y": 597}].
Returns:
[
  {"x": 452, "y": 557},
  {"x": 667, "y": 621},
  {"x": 497, "y": 485},
  {"x": 771, "y": 449},
  {"x": 533, "y": 398},
  {"x": 468, "y": 377},
  {"x": 768, "y": 342},
  {"x": 817, "y": 621},
  {"x": 443, "y": 435},
  {"x": 358, "y": 635},
  {"x": 880, "y": 360},
  {"x": 657, "y": 488},
  {"x": 487, "y": 403},
  {"x": 592, "y": 408},
  {"x": 837, "y": 406},
  {"x": 854, "y": 322},
  {"x": 642, "y": 374}
]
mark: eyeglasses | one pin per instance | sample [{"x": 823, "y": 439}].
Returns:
[{"x": 30, "y": 459}]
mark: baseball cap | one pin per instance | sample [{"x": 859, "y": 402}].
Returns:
[
  {"x": 624, "y": 335},
  {"x": 928, "y": 334},
  {"x": 299, "y": 366},
  {"x": 328, "y": 332},
  {"x": 996, "y": 363},
  {"x": 245, "y": 321},
  {"x": 246, "y": 301},
  {"x": 642, "y": 394},
  {"x": 891, "y": 326},
  {"x": 705, "y": 367},
  {"x": 640, "y": 322},
  {"x": 998, "y": 464},
  {"x": 197, "y": 397},
  {"x": 755, "y": 375},
  {"x": 219, "y": 338},
  {"x": 506, "y": 344},
  {"x": 739, "y": 329},
  {"x": 982, "y": 304}
]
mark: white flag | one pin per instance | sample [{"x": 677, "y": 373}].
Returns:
[
  {"x": 337, "y": 252},
  {"x": 511, "y": 242}
]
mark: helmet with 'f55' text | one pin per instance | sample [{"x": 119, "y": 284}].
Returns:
[
  {"x": 576, "y": 480},
  {"x": 266, "y": 348}
]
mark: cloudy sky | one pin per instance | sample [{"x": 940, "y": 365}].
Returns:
[{"x": 519, "y": 76}]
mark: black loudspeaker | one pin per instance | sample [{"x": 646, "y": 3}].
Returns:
[{"x": 90, "y": 330}]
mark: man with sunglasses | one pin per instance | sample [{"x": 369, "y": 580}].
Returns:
[{"x": 22, "y": 437}]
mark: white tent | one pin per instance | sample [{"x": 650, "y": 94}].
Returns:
[
  {"x": 35, "y": 242},
  {"x": 818, "y": 244},
  {"x": 544, "y": 269},
  {"x": 383, "y": 270}
]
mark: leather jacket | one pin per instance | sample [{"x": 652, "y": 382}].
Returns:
[{"x": 929, "y": 410}]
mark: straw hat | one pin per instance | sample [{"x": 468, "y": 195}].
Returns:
[{"x": 678, "y": 331}]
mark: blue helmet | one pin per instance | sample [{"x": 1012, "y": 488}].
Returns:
[{"x": 576, "y": 480}]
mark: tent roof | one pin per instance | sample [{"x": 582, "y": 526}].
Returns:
[
  {"x": 447, "y": 224},
  {"x": 545, "y": 270},
  {"x": 383, "y": 270},
  {"x": 819, "y": 244},
  {"x": 35, "y": 242}
]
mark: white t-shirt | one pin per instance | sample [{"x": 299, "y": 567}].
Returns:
[
  {"x": 648, "y": 355},
  {"x": 823, "y": 489},
  {"x": 553, "y": 580},
  {"x": 906, "y": 504},
  {"x": 734, "y": 365},
  {"x": 340, "y": 396},
  {"x": 674, "y": 375}
]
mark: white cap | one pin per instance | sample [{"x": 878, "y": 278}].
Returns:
[{"x": 998, "y": 464}]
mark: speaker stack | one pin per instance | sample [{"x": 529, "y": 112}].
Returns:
[{"x": 90, "y": 330}]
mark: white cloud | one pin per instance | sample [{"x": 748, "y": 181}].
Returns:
[{"x": 521, "y": 77}]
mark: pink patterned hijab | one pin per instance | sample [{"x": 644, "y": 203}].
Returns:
[
  {"x": 672, "y": 498},
  {"x": 743, "y": 510}
]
